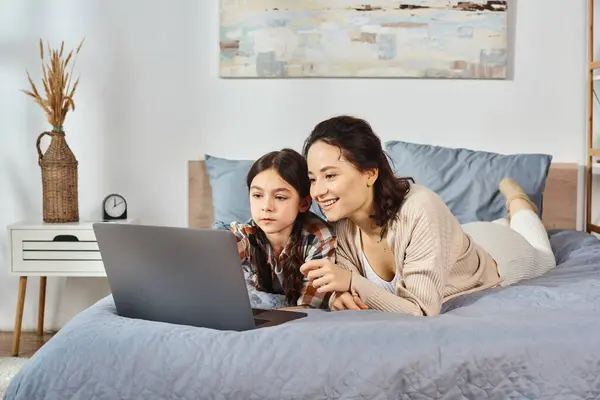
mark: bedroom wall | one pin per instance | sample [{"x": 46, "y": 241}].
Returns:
[{"x": 150, "y": 99}]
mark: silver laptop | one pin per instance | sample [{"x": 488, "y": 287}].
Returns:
[{"x": 180, "y": 275}]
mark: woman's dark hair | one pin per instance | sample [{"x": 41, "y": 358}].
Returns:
[
  {"x": 291, "y": 166},
  {"x": 362, "y": 147}
]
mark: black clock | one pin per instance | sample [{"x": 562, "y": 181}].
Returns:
[{"x": 114, "y": 207}]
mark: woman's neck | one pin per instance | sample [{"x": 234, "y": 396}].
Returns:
[{"x": 363, "y": 220}]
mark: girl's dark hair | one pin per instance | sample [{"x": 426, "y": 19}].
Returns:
[
  {"x": 291, "y": 166},
  {"x": 362, "y": 147}
]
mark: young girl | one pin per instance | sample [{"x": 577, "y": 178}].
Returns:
[
  {"x": 283, "y": 233},
  {"x": 399, "y": 248}
]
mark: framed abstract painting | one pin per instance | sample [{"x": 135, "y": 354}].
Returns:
[{"x": 381, "y": 39}]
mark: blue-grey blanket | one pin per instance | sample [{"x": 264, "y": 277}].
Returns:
[{"x": 537, "y": 340}]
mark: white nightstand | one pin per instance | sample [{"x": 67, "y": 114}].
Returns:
[{"x": 42, "y": 249}]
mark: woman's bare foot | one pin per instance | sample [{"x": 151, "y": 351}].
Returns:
[{"x": 516, "y": 199}]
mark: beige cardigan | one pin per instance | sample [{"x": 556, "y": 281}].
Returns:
[{"x": 436, "y": 260}]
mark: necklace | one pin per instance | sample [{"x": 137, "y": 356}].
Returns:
[
  {"x": 383, "y": 244},
  {"x": 380, "y": 242}
]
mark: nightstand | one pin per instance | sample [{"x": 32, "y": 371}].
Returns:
[{"x": 44, "y": 249}]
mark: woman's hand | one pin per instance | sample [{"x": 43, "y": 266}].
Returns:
[
  {"x": 326, "y": 276},
  {"x": 345, "y": 301}
]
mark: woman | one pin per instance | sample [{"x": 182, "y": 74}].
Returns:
[{"x": 400, "y": 249}]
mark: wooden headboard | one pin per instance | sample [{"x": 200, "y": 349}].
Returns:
[{"x": 559, "y": 208}]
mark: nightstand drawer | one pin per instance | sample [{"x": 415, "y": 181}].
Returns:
[
  {"x": 65, "y": 255},
  {"x": 58, "y": 267},
  {"x": 55, "y": 251},
  {"x": 53, "y": 235},
  {"x": 31, "y": 245}
]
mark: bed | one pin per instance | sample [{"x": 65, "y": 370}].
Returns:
[{"x": 535, "y": 340}]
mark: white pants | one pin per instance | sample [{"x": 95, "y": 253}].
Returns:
[{"x": 520, "y": 247}]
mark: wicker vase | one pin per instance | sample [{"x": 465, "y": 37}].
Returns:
[{"x": 59, "y": 179}]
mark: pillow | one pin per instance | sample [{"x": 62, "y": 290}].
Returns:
[
  {"x": 229, "y": 191},
  {"x": 467, "y": 180}
]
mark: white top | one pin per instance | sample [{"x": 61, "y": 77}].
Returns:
[{"x": 376, "y": 279}]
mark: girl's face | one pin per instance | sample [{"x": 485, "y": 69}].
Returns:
[
  {"x": 340, "y": 189},
  {"x": 274, "y": 203}
]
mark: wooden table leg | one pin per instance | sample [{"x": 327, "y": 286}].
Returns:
[
  {"x": 41, "y": 306},
  {"x": 19, "y": 316}
]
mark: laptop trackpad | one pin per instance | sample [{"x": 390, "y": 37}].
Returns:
[
  {"x": 260, "y": 322},
  {"x": 276, "y": 317}
]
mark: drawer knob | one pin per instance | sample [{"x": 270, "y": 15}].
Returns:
[{"x": 65, "y": 238}]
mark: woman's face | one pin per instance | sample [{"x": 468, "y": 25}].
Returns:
[{"x": 340, "y": 189}]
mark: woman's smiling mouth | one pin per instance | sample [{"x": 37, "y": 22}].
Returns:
[{"x": 327, "y": 204}]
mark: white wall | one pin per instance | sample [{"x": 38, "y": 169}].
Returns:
[{"x": 150, "y": 99}]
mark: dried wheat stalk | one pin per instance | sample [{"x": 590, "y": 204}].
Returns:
[{"x": 57, "y": 84}]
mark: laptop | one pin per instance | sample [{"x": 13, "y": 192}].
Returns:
[{"x": 182, "y": 276}]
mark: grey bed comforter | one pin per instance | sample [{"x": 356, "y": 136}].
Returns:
[{"x": 537, "y": 340}]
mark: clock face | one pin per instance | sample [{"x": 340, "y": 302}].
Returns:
[{"x": 115, "y": 206}]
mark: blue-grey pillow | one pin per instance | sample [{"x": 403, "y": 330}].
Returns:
[
  {"x": 467, "y": 180},
  {"x": 229, "y": 191}
]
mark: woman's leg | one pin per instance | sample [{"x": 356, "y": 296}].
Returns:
[
  {"x": 523, "y": 218},
  {"x": 529, "y": 225},
  {"x": 502, "y": 221},
  {"x": 519, "y": 243}
]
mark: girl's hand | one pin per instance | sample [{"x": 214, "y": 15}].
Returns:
[
  {"x": 345, "y": 301},
  {"x": 326, "y": 276}
]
